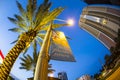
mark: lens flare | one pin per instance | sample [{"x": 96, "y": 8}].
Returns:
[{"x": 70, "y": 22}]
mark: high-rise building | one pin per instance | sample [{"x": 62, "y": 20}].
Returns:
[
  {"x": 111, "y": 2},
  {"x": 85, "y": 77},
  {"x": 62, "y": 76},
  {"x": 102, "y": 22}
]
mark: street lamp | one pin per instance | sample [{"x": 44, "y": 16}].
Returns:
[
  {"x": 41, "y": 71},
  {"x": 70, "y": 22},
  {"x": 51, "y": 75}
]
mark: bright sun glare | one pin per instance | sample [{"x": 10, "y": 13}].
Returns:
[{"x": 70, "y": 22}]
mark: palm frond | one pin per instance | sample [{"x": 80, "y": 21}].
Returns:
[
  {"x": 29, "y": 10},
  {"x": 51, "y": 16},
  {"x": 23, "y": 25},
  {"x": 22, "y": 68},
  {"x": 39, "y": 39},
  {"x": 19, "y": 18},
  {"x": 34, "y": 46},
  {"x": 14, "y": 41},
  {"x": 16, "y": 30},
  {"x": 43, "y": 11},
  {"x": 30, "y": 58},
  {"x": 35, "y": 53},
  {"x": 21, "y": 9},
  {"x": 50, "y": 71},
  {"x": 54, "y": 26},
  {"x": 25, "y": 50},
  {"x": 18, "y": 21},
  {"x": 23, "y": 59},
  {"x": 27, "y": 63},
  {"x": 50, "y": 66},
  {"x": 34, "y": 4},
  {"x": 41, "y": 36},
  {"x": 35, "y": 57},
  {"x": 25, "y": 66},
  {"x": 12, "y": 20},
  {"x": 40, "y": 43},
  {"x": 68, "y": 38}
]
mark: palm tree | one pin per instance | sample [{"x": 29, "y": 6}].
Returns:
[
  {"x": 32, "y": 22},
  {"x": 29, "y": 63}
]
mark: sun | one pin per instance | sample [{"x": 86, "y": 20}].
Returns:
[{"x": 70, "y": 22}]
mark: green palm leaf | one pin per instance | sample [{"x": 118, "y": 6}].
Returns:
[
  {"x": 41, "y": 36},
  {"x": 12, "y": 20},
  {"x": 19, "y": 18},
  {"x": 14, "y": 41},
  {"x": 30, "y": 10},
  {"x": 29, "y": 58},
  {"x": 25, "y": 50},
  {"x": 34, "y": 4},
  {"x": 51, "y": 16},
  {"x": 21, "y": 9},
  {"x": 16, "y": 30},
  {"x": 42, "y": 11},
  {"x": 54, "y": 26},
  {"x": 18, "y": 22}
]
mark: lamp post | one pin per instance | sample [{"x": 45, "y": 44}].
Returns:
[{"x": 41, "y": 71}]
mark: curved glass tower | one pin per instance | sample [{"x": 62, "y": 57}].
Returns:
[{"x": 102, "y": 22}]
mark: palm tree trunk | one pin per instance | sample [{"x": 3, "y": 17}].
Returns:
[{"x": 23, "y": 42}]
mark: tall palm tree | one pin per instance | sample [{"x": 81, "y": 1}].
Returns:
[
  {"x": 29, "y": 63},
  {"x": 31, "y": 22}
]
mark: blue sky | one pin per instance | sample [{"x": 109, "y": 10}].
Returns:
[{"x": 86, "y": 49}]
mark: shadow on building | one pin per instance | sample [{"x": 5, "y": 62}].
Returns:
[{"x": 111, "y": 2}]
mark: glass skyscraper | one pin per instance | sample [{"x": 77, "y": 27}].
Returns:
[{"x": 62, "y": 76}]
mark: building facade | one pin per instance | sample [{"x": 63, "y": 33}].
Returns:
[
  {"x": 85, "y": 77},
  {"x": 102, "y": 22},
  {"x": 62, "y": 76},
  {"x": 111, "y": 2}
]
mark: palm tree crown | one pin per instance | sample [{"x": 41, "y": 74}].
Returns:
[
  {"x": 35, "y": 21},
  {"x": 31, "y": 23}
]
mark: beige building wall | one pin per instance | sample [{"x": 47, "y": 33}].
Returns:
[{"x": 102, "y": 22}]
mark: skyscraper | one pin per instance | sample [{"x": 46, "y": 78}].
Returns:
[
  {"x": 102, "y": 22},
  {"x": 85, "y": 77},
  {"x": 62, "y": 76},
  {"x": 111, "y": 2}
]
